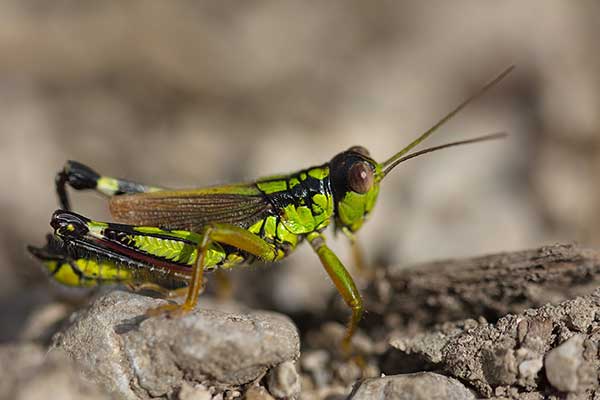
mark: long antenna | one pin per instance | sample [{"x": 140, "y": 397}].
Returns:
[
  {"x": 493, "y": 136},
  {"x": 391, "y": 162}
]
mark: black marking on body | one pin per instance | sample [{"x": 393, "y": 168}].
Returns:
[
  {"x": 116, "y": 232},
  {"x": 303, "y": 192},
  {"x": 144, "y": 267}
]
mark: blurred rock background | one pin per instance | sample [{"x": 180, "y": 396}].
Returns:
[{"x": 187, "y": 94}]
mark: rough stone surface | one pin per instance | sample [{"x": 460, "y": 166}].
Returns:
[
  {"x": 258, "y": 393},
  {"x": 196, "y": 392},
  {"x": 135, "y": 357},
  {"x": 548, "y": 352},
  {"x": 419, "y": 386},
  {"x": 496, "y": 358},
  {"x": 562, "y": 364},
  {"x": 28, "y": 373},
  {"x": 492, "y": 286},
  {"x": 283, "y": 381}
]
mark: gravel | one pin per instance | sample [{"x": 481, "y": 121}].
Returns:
[
  {"x": 420, "y": 386},
  {"x": 135, "y": 357}
]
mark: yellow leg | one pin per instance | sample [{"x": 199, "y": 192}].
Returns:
[
  {"x": 342, "y": 281},
  {"x": 177, "y": 293},
  {"x": 225, "y": 234},
  {"x": 195, "y": 285}
]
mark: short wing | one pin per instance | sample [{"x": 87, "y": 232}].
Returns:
[{"x": 190, "y": 210}]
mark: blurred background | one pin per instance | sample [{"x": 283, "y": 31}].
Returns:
[{"x": 189, "y": 94}]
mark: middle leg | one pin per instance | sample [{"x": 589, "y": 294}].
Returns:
[
  {"x": 342, "y": 281},
  {"x": 225, "y": 234}
]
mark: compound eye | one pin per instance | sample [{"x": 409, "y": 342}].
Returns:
[
  {"x": 360, "y": 177},
  {"x": 360, "y": 150}
]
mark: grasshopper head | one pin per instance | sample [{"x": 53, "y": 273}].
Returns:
[{"x": 355, "y": 178}]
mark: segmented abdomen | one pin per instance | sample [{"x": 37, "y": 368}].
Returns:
[{"x": 77, "y": 263}]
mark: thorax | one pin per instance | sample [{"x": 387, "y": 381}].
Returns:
[{"x": 302, "y": 201}]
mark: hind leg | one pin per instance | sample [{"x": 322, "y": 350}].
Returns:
[
  {"x": 81, "y": 177},
  {"x": 225, "y": 234}
]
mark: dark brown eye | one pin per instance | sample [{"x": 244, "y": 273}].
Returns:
[
  {"x": 360, "y": 177},
  {"x": 360, "y": 150}
]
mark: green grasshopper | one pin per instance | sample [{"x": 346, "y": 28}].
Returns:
[{"x": 167, "y": 239}]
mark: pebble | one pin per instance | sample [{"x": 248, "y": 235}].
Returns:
[
  {"x": 419, "y": 386},
  {"x": 258, "y": 393},
  {"x": 562, "y": 364},
  {"x": 283, "y": 381}
]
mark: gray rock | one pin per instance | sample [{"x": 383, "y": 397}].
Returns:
[
  {"x": 198, "y": 392},
  {"x": 136, "y": 357},
  {"x": 529, "y": 368},
  {"x": 563, "y": 362},
  {"x": 27, "y": 373},
  {"x": 468, "y": 288},
  {"x": 283, "y": 381},
  {"x": 510, "y": 352},
  {"x": 315, "y": 363},
  {"x": 429, "y": 346},
  {"x": 419, "y": 386},
  {"x": 257, "y": 393}
]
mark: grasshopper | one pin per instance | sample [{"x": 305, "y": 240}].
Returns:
[{"x": 167, "y": 239}]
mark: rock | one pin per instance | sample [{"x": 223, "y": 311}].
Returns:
[
  {"x": 348, "y": 372},
  {"x": 428, "y": 346},
  {"x": 29, "y": 374},
  {"x": 198, "y": 392},
  {"x": 419, "y": 386},
  {"x": 315, "y": 363},
  {"x": 283, "y": 381},
  {"x": 499, "y": 365},
  {"x": 510, "y": 352},
  {"x": 491, "y": 286},
  {"x": 136, "y": 357},
  {"x": 258, "y": 393},
  {"x": 529, "y": 369},
  {"x": 562, "y": 364}
]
